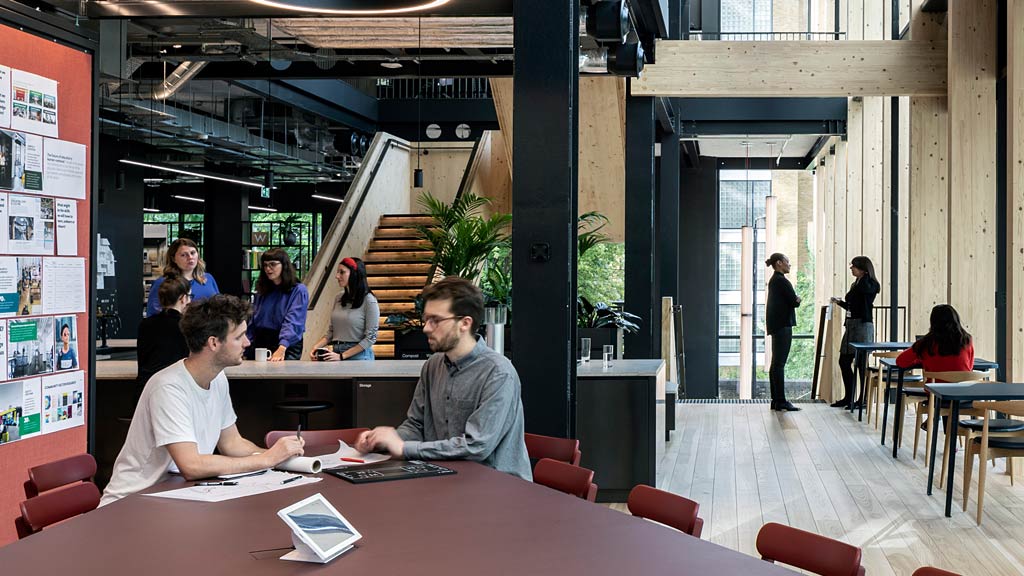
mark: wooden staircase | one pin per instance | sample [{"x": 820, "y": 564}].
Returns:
[{"x": 397, "y": 268}]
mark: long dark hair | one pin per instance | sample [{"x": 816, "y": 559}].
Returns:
[
  {"x": 864, "y": 263},
  {"x": 264, "y": 285},
  {"x": 945, "y": 333},
  {"x": 358, "y": 287}
]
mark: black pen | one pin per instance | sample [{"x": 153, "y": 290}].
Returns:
[
  {"x": 292, "y": 479},
  {"x": 216, "y": 483}
]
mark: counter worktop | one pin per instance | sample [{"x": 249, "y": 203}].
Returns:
[{"x": 249, "y": 370}]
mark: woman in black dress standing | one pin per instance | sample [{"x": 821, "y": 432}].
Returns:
[{"x": 860, "y": 327}]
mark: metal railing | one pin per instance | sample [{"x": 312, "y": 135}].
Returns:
[
  {"x": 767, "y": 36},
  {"x": 434, "y": 88}
]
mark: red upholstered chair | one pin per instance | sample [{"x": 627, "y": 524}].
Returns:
[
  {"x": 667, "y": 508},
  {"x": 317, "y": 437},
  {"x": 808, "y": 551},
  {"x": 46, "y": 477},
  {"x": 49, "y": 503},
  {"x": 929, "y": 571},
  {"x": 564, "y": 477},
  {"x": 562, "y": 449}
]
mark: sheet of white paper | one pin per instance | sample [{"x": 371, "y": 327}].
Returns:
[
  {"x": 251, "y": 486},
  {"x": 67, "y": 227},
  {"x": 346, "y": 451},
  {"x": 64, "y": 285}
]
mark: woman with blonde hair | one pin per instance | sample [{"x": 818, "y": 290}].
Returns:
[{"x": 183, "y": 259}]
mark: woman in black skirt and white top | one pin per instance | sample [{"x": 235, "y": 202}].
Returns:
[
  {"x": 860, "y": 327},
  {"x": 355, "y": 317}
]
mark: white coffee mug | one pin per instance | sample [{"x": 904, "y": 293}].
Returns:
[{"x": 262, "y": 354}]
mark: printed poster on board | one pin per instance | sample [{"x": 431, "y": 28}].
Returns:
[
  {"x": 64, "y": 169},
  {"x": 63, "y": 401},
  {"x": 19, "y": 410},
  {"x": 33, "y": 103},
  {"x": 21, "y": 162},
  {"x": 30, "y": 347},
  {"x": 31, "y": 224},
  {"x": 8, "y": 287},
  {"x": 5, "y": 97},
  {"x": 65, "y": 352},
  {"x": 30, "y": 286}
]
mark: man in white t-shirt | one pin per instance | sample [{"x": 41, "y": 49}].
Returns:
[{"x": 185, "y": 411}]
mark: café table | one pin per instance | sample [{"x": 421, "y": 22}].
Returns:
[
  {"x": 956, "y": 394},
  {"x": 862, "y": 350},
  {"x": 889, "y": 364}
]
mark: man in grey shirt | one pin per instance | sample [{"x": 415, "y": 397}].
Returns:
[{"x": 467, "y": 402}]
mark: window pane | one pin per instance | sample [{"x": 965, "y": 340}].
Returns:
[
  {"x": 729, "y": 320},
  {"x": 729, "y": 266}
]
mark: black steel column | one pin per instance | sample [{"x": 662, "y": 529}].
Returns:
[
  {"x": 1002, "y": 226},
  {"x": 894, "y": 201},
  {"x": 640, "y": 257},
  {"x": 544, "y": 187},
  {"x": 668, "y": 216},
  {"x": 224, "y": 212},
  {"x": 698, "y": 231}
]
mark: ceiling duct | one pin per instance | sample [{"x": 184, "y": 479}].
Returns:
[{"x": 173, "y": 83}]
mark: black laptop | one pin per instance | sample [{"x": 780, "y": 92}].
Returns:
[{"x": 389, "y": 470}]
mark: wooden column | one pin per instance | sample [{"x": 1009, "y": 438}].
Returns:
[
  {"x": 928, "y": 202},
  {"x": 854, "y": 183},
  {"x": 972, "y": 167},
  {"x": 1015, "y": 190}
]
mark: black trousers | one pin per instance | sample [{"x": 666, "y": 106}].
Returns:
[{"x": 782, "y": 341}]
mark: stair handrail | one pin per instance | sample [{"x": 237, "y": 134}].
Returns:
[{"x": 327, "y": 258}]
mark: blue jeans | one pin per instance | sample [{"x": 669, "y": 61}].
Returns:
[{"x": 340, "y": 347}]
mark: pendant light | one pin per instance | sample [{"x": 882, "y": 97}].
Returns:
[{"x": 417, "y": 174}]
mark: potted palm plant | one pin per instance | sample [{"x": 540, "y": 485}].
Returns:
[{"x": 462, "y": 238}]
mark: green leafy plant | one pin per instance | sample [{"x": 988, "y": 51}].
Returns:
[
  {"x": 497, "y": 279},
  {"x": 588, "y": 232},
  {"x": 600, "y": 315},
  {"x": 462, "y": 238}
]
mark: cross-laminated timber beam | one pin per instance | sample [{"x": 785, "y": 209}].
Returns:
[{"x": 778, "y": 69}]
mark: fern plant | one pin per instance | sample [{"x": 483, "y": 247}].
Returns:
[
  {"x": 462, "y": 238},
  {"x": 588, "y": 232}
]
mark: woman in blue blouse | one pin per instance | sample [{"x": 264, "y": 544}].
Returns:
[
  {"x": 66, "y": 357},
  {"x": 183, "y": 258},
  {"x": 279, "y": 312}
]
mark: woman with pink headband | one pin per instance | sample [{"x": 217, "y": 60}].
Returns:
[{"x": 354, "y": 319}]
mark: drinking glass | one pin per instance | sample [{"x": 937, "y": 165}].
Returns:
[
  {"x": 609, "y": 354},
  {"x": 585, "y": 350}
]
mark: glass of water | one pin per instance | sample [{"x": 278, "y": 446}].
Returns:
[
  {"x": 609, "y": 355},
  {"x": 585, "y": 350}
]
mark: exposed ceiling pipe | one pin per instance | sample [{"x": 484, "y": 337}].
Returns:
[{"x": 173, "y": 83}]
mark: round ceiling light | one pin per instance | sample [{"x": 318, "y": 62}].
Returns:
[
  {"x": 354, "y": 7},
  {"x": 391, "y": 65}
]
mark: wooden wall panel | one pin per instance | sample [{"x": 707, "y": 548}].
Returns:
[
  {"x": 854, "y": 174},
  {"x": 501, "y": 93},
  {"x": 928, "y": 208},
  {"x": 602, "y": 152},
  {"x": 443, "y": 165},
  {"x": 492, "y": 179},
  {"x": 1015, "y": 189},
  {"x": 972, "y": 167},
  {"x": 873, "y": 168},
  {"x": 904, "y": 214}
]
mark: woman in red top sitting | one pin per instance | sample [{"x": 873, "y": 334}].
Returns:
[{"x": 947, "y": 347}]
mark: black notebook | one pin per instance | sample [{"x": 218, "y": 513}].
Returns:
[{"x": 390, "y": 470}]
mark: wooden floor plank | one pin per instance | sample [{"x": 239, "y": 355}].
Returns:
[{"x": 822, "y": 470}]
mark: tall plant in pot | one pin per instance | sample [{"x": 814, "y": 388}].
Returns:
[{"x": 462, "y": 237}]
